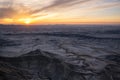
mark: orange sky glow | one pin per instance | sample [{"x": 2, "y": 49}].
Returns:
[{"x": 59, "y": 12}]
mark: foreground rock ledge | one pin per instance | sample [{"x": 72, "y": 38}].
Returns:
[{"x": 41, "y": 65}]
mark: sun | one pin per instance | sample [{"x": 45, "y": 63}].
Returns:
[{"x": 27, "y": 21}]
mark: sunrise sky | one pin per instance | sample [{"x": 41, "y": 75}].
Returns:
[{"x": 59, "y": 11}]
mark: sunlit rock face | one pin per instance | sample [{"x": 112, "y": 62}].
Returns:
[{"x": 43, "y": 65}]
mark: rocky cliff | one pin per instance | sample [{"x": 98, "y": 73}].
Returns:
[{"x": 43, "y": 65}]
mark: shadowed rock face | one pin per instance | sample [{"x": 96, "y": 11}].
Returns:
[
  {"x": 8, "y": 72},
  {"x": 47, "y": 66},
  {"x": 4, "y": 42}
]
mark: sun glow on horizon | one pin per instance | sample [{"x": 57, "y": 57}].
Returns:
[
  {"x": 59, "y": 12},
  {"x": 27, "y": 21}
]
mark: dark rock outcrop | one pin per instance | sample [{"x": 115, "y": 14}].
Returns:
[
  {"x": 8, "y": 72},
  {"x": 47, "y": 66}
]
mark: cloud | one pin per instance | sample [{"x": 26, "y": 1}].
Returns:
[
  {"x": 12, "y": 12},
  {"x": 6, "y": 3},
  {"x": 107, "y": 5},
  {"x": 7, "y": 12},
  {"x": 61, "y": 4},
  {"x": 40, "y": 8},
  {"x": 10, "y": 9},
  {"x": 6, "y": 9}
]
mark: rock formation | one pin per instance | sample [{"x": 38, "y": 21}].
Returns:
[{"x": 43, "y": 65}]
